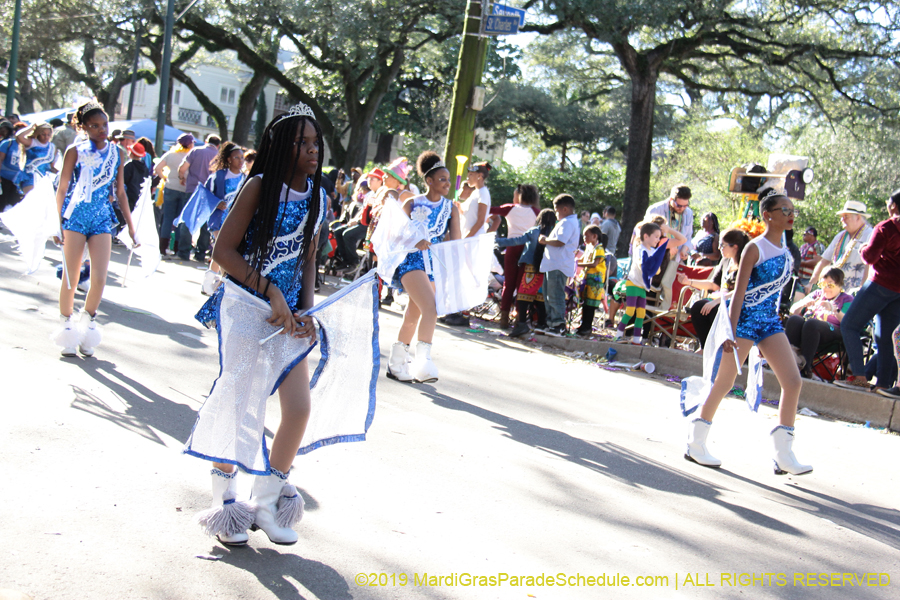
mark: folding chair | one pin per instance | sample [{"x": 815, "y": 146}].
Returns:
[{"x": 675, "y": 323}]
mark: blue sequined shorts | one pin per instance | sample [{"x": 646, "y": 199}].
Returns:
[
  {"x": 752, "y": 327},
  {"x": 414, "y": 261},
  {"x": 27, "y": 180},
  {"x": 90, "y": 218}
]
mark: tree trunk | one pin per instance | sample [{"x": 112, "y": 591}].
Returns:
[
  {"x": 562, "y": 160},
  {"x": 246, "y": 106},
  {"x": 640, "y": 152},
  {"x": 25, "y": 91},
  {"x": 383, "y": 150}
]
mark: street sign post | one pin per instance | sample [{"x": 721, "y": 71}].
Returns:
[
  {"x": 509, "y": 11},
  {"x": 500, "y": 25}
]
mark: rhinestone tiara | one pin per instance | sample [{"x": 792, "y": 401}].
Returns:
[{"x": 301, "y": 110}]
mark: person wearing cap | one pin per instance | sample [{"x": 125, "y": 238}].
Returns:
[
  {"x": 677, "y": 212},
  {"x": 135, "y": 172},
  {"x": 475, "y": 209},
  {"x": 843, "y": 251},
  {"x": 175, "y": 195},
  {"x": 127, "y": 139},
  {"x": 878, "y": 297},
  {"x": 64, "y": 136}
]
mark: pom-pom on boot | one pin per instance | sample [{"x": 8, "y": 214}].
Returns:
[
  {"x": 398, "y": 363},
  {"x": 228, "y": 519},
  {"x": 90, "y": 334},
  {"x": 423, "y": 368},
  {"x": 278, "y": 506},
  {"x": 68, "y": 334},
  {"x": 785, "y": 461},
  {"x": 696, "y": 446}
]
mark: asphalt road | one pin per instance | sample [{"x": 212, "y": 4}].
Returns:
[{"x": 517, "y": 463}]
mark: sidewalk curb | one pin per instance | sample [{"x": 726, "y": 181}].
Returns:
[{"x": 823, "y": 398}]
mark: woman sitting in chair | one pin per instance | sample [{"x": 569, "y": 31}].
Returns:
[
  {"x": 815, "y": 321},
  {"x": 703, "y": 312}
]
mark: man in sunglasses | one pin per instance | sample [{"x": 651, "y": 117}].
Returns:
[{"x": 676, "y": 210}]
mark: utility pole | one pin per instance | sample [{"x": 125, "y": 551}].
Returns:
[
  {"x": 164, "y": 77},
  {"x": 14, "y": 60},
  {"x": 468, "y": 96}
]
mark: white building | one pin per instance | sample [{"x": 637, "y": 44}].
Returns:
[{"x": 221, "y": 77}]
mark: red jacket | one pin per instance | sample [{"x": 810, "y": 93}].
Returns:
[{"x": 883, "y": 254}]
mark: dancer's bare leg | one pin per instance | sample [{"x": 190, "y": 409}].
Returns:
[
  {"x": 725, "y": 379},
  {"x": 99, "y": 248},
  {"x": 73, "y": 250},
  {"x": 781, "y": 358}
]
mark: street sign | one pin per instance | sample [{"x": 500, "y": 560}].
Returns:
[
  {"x": 509, "y": 11},
  {"x": 500, "y": 25}
]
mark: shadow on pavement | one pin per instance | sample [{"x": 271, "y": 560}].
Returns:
[
  {"x": 277, "y": 571},
  {"x": 144, "y": 407},
  {"x": 876, "y": 522},
  {"x": 611, "y": 460}
]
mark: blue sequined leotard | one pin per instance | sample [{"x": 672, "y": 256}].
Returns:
[
  {"x": 38, "y": 159},
  {"x": 280, "y": 266},
  {"x": 435, "y": 216},
  {"x": 759, "y": 313},
  {"x": 88, "y": 208}
]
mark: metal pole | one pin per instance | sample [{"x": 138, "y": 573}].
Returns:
[
  {"x": 134, "y": 69},
  {"x": 164, "y": 76},
  {"x": 13, "y": 60}
]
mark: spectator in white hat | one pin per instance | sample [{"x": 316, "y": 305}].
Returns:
[{"x": 843, "y": 251}]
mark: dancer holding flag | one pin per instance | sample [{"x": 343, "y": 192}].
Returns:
[
  {"x": 751, "y": 322},
  {"x": 266, "y": 247},
  {"x": 91, "y": 176},
  {"x": 432, "y": 218}
]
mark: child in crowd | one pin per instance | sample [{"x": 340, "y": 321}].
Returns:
[
  {"x": 92, "y": 175},
  {"x": 529, "y": 298},
  {"x": 592, "y": 277},
  {"x": 558, "y": 263},
  {"x": 267, "y": 247},
  {"x": 647, "y": 255}
]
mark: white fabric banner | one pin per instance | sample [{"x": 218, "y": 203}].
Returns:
[
  {"x": 145, "y": 231},
  {"x": 461, "y": 270},
  {"x": 695, "y": 390},
  {"x": 231, "y": 423},
  {"x": 34, "y": 219},
  {"x": 395, "y": 236}
]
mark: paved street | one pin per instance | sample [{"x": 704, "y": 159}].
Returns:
[{"x": 516, "y": 462}]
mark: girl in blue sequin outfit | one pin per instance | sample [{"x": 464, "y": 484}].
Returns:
[
  {"x": 438, "y": 219},
  {"x": 225, "y": 180},
  {"x": 39, "y": 153},
  {"x": 267, "y": 246},
  {"x": 765, "y": 269},
  {"x": 91, "y": 177}
]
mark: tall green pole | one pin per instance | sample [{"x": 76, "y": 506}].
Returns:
[
  {"x": 472, "y": 56},
  {"x": 13, "y": 60},
  {"x": 164, "y": 77}
]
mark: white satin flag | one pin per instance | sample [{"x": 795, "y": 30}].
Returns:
[
  {"x": 231, "y": 423},
  {"x": 461, "y": 270},
  {"x": 34, "y": 219},
  {"x": 145, "y": 231}
]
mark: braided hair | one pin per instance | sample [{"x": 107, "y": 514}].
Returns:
[{"x": 277, "y": 160}]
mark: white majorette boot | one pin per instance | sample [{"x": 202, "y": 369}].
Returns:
[
  {"x": 785, "y": 461},
  {"x": 423, "y": 368},
  {"x": 278, "y": 506},
  {"x": 68, "y": 334},
  {"x": 228, "y": 519},
  {"x": 90, "y": 334},
  {"x": 398, "y": 363},
  {"x": 696, "y": 446}
]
